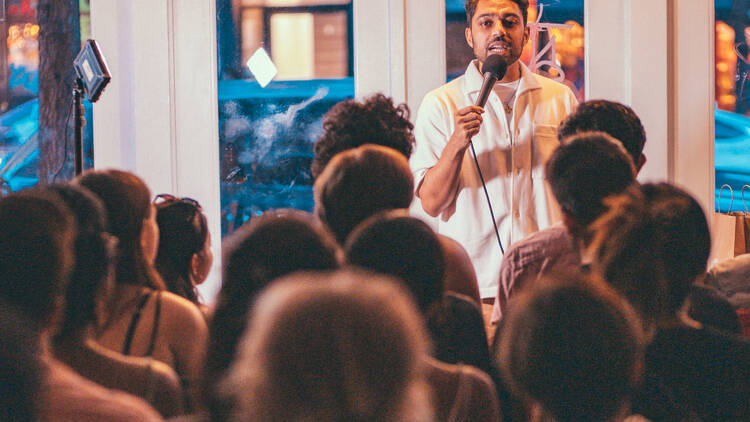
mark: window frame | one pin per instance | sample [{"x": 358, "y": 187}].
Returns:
[{"x": 159, "y": 59}]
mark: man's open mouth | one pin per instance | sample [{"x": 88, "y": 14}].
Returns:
[{"x": 498, "y": 48}]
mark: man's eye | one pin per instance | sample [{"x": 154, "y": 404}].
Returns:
[
  {"x": 486, "y": 23},
  {"x": 509, "y": 22}
]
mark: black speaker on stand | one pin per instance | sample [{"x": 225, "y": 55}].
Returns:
[{"x": 92, "y": 75}]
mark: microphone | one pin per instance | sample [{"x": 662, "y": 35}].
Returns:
[{"x": 494, "y": 69}]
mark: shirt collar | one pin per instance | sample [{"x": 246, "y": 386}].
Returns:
[{"x": 474, "y": 79}]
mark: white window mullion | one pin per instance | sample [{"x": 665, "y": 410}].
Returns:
[
  {"x": 159, "y": 116},
  {"x": 659, "y": 59}
]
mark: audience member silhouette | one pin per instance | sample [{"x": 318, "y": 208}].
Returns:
[
  {"x": 21, "y": 371},
  {"x": 267, "y": 247},
  {"x": 352, "y": 123},
  {"x": 364, "y": 181},
  {"x": 85, "y": 311},
  {"x": 580, "y": 183},
  {"x": 395, "y": 244},
  {"x": 615, "y": 119},
  {"x": 184, "y": 258},
  {"x": 359, "y": 183},
  {"x": 144, "y": 319},
  {"x": 37, "y": 234},
  {"x": 340, "y": 347},
  {"x": 581, "y": 172},
  {"x": 573, "y": 348},
  {"x": 651, "y": 246}
]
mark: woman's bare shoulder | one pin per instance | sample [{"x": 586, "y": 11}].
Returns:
[{"x": 182, "y": 313}]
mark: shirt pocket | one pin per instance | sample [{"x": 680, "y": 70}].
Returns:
[{"x": 544, "y": 143}]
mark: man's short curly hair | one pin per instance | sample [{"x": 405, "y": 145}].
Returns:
[
  {"x": 610, "y": 117},
  {"x": 374, "y": 120},
  {"x": 471, "y": 7}
]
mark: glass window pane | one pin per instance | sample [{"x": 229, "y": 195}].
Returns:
[
  {"x": 20, "y": 161},
  {"x": 556, "y": 38},
  {"x": 732, "y": 124},
  {"x": 266, "y": 132}
]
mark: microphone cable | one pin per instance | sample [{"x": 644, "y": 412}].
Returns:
[
  {"x": 487, "y": 195},
  {"x": 493, "y": 69}
]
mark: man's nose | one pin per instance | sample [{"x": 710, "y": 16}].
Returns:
[{"x": 498, "y": 29}]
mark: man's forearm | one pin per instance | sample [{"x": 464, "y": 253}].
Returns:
[{"x": 440, "y": 183}]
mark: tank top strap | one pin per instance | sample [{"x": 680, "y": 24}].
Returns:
[
  {"x": 155, "y": 328},
  {"x": 134, "y": 323}
]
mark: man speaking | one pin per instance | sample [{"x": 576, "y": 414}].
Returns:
[{"x": 513, "y": 135}]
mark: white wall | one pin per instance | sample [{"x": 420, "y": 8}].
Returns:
[
  {"x": 399, "y": 48},
  {"x": 693, "y": 96},
  {"x": 379, "y": 48}
]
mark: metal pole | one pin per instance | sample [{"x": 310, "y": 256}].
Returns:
[{"x": 79, "y": 123}]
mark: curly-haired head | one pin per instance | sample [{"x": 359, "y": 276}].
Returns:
[
  {"x": 612, "y": 118},
  {"x": 351, "y": 123}
]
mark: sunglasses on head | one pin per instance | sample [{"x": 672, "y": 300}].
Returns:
[
  {"x": 164, "y": 198},
  {"x": 166, "y": 201}
]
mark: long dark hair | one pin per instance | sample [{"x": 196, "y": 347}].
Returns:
[
  {"x": 127, "y": 200},
  {"x": 183, "y": 232},
  {"x": 92, "y": 258}
]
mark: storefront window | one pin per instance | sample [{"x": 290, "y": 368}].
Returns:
[
  {"x": 19, "y": 96},
  {"x": 281, "y": 68},
  {"x": 555, "y": 48},
  {"x": 732, "y": 124}
]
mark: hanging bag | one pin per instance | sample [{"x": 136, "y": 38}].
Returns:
[
  {"x": 727, "y": 232},
  {"x": 746, "y": 223}
]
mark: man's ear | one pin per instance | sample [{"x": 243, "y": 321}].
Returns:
[
  {"x": 526, "y": 34},
  {"x": 469, "y": 40},
  {"x": 640, "y": 163}
]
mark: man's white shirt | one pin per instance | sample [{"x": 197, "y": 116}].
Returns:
[{"x": 511, "y": 157}]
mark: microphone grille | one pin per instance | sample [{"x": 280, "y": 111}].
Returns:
[{"x": 496, "y": 65}]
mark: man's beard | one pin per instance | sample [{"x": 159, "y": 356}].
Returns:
[
  {"x": 509, "y": 56},
  {"x": 508, "y": 59}
]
